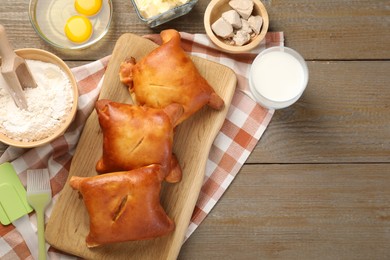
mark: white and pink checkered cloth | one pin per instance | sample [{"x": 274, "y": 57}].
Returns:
[{"x": 245, "y": 123}]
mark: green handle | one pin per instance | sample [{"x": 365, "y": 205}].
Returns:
[{"x": 41, "y": 235}]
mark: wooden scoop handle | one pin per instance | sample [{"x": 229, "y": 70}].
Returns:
[
  {"x": 10, "y": 64},
  {"x": 6, "y": 51}
]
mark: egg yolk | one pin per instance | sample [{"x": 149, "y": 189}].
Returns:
[
  {"x": 88, "y": 7},
  {"x": 78, "y": 29}
]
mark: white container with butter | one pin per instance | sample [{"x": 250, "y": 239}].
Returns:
[{"x": 278, "y": 77}]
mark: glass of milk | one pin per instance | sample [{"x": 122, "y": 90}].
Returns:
[{"x": 278, "y": 77}]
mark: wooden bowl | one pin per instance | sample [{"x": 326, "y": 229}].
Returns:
[
  {"x": 214, "y": 11},
  {"x": 41, "y": 55}
]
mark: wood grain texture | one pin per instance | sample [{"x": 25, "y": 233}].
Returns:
[
  {"x": 335, "y": 29},
  {"x": 316, "y": 185},
  {"x": 343, "y": 116},
  {"x": 300, "y": 211},
  {"x": 193, "y": 139}
]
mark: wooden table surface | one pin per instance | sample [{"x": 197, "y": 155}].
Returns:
[{"x": 317, "y": 186}]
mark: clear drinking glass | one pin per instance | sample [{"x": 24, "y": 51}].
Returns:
[{"x": 278, "y": 77}]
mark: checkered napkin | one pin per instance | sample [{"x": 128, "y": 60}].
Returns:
[{"x": 244, "y": 125}]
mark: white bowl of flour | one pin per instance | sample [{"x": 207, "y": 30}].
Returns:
[{"x": 52, "y": 104}]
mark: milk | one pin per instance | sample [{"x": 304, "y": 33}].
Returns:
[{"x": 278, "y": 77}]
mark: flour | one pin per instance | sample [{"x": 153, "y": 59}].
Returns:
[{"x": 48, "y": 104}]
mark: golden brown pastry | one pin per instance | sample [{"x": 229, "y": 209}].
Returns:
[
  {"x": 167, "y": 75},
  {"x": 124, "y": 206},
  {"x": 137, "y": 136}
]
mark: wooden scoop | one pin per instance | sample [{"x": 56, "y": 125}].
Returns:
[{"x": 15, "y": 71}]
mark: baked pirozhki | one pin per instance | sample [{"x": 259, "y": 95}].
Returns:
[
  {"x": 124, "y": 206},
  {"x": 167, "y": 75},
  {"x": 136, "y": 136}
]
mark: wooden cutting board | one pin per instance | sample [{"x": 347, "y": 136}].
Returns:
[{"x": 68, "y": 225}]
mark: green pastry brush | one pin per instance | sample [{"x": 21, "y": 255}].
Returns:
[{"x": 39, "y": 196}]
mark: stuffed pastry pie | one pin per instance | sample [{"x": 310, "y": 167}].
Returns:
[
  {"x": 136, "y": 136},
  {"x": 167, "y": 75},
  {"x": 124, "y": 206}
]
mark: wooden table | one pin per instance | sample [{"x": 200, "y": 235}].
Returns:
[{"x": 317, "y": 186}]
